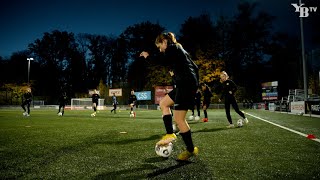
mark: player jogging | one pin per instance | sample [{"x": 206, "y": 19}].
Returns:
[
  {"x": 228, "y": 90},
  {"x": 186, "y": 76},
  {"x": 132, "y": 102},
  {"x": 114, "y": 103},
  {"x": 207, "y": 94},
  {"x": 95, "y": 99},
  {"x": 27, "y": 101}
]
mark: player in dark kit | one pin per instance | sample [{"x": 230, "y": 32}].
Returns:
[
  {"x": 228, "y": 90},
  {"x": 27, "y": 101},
  {"x": 95, "y": 102},
  {"x": 62, "y": 103},
  {"x": 186, "y": 76},
  {"x": 207, "y": 94},
  {"x": 132, "y": 102},
  {"x": 114, "y": 103}
]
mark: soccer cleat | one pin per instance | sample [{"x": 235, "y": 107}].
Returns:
[
  {"x": 166, "y": 139},
  {"x": 27, "y": 115},
  {"x": 185, "y": 155},
  {"x": 205, "y": 120},
  {"x": 230, "y": 126},
  {"x": 24, "y": 114},
  {"x": 246, "y": 120}
]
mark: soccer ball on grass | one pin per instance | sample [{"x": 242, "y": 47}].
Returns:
[
  {"x": 164, "y": 150},
  {"x": 240, "y": 123},
  {"x": 60, "y": 114}
]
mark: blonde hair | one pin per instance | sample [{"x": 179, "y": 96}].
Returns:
[
  {"x": 225, "y": 73},
  {"x": 169, "y": 36}
]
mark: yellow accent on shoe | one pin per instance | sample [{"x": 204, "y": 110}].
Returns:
[
  {"x": 246, "y": 120},
  {"x": 166, "y": 139},
  {"x": 185, "y": 155}
]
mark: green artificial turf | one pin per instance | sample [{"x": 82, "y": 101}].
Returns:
[{"x": 78, "y": 146}]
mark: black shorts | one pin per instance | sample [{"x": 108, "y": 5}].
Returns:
[
  {"x": 95, "y": 102},
  {"x": 183, "y": 97}
]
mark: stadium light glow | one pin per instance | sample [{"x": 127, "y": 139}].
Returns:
[{"x": 29, "y": 59}]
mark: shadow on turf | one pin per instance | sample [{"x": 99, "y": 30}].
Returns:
[{"x": 210, "y": 130}]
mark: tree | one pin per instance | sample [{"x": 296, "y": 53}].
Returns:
[
  {"x": 140, "y": 37},
  {"x": 54, "y": 52}
]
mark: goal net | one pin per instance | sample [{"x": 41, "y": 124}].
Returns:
[{"x": 85, "y": 103}]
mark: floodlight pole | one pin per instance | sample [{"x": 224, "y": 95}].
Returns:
[
  {"x": 29, "y": 59},
  {"x": 305, "y": 88}
]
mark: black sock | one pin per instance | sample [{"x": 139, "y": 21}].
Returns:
[
  {"x": 205, "y": 113},
  {"x": 95, "y": 109},
  {"x": 188, "y": 140},
  {"x": 167, "y": 120},
  {"x": 131, "y": 109}
]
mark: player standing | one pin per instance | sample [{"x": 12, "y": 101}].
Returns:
[
  {"x": 27, "y": 101},
  {"x": 62, "y": 103},
  {"x": 95, "y": 99},
  {"x": 114, "y": 103},
  {"x": 132, "y": 102},
  {"x": 186, "y": 78},
  {"x": 228, "y": 90},
  {"x": 207, "y": 94}
]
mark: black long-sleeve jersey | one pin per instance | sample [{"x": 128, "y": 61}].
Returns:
[
  {"x": 62, "y": 100},
  {"x": 132, "y": 99},
  {"x": 178, "y": 60},
  {"x": 95, "y": 97},
  {"x": 227, "y": 86},
  {"x": 27, "y": 96}
]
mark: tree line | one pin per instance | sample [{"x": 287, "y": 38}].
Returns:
[{"x": 245, "y": 45}]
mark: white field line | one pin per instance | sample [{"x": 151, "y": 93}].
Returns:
[{"x": 288, "y": 129}]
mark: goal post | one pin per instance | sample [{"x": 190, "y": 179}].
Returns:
[{"x": 85, "y": 103}]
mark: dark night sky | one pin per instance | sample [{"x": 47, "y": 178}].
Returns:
[{"x": 23, "y": 21}]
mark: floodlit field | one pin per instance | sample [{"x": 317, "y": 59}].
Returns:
[{"x": 78, "y": 146}]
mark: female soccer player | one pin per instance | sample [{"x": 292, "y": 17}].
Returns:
[
  {"x": 95, "y": 100},
  {"x": 228, "y": 90},
  {"x": 62, "y": 103},
  {"x": 114, "y": 103},
  {"x": 132, "y": 102},
  {"x": 27, "y": 101},
  {"x": 207, "y": 94},
  {"x": 186, "y": 76}
]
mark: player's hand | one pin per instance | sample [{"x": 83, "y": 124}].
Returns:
[
  {"x": 219, "y": 100},
  {"x": 144, "y": 54},
  {"x": 230, "y": 92}
]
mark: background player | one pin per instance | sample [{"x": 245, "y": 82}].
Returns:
[
  {"x": 132, "y": 102},
  {"x": 62, "y": 103},
  {"x": 228, "y": 90},
  {"x": 114, "y": 103},
  {"x": 95, "y": 99},
  {"x": 207, "y": 94},
  {"x": 27, "y": 101}
]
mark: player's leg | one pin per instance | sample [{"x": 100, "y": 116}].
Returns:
[
  {"x": 63, "y": 109},
  {"x": 23, "y": 107},
  {"x": 204, "y": 107},
  {"x": 236, "y": 108},
  {"x": 186, "y": 135},
  {"x": 227, "y": 108},
  {"x": 28, "y": 107},
  {"x": 198, "y": 108},
  {"x": 165, "y": 104}
]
